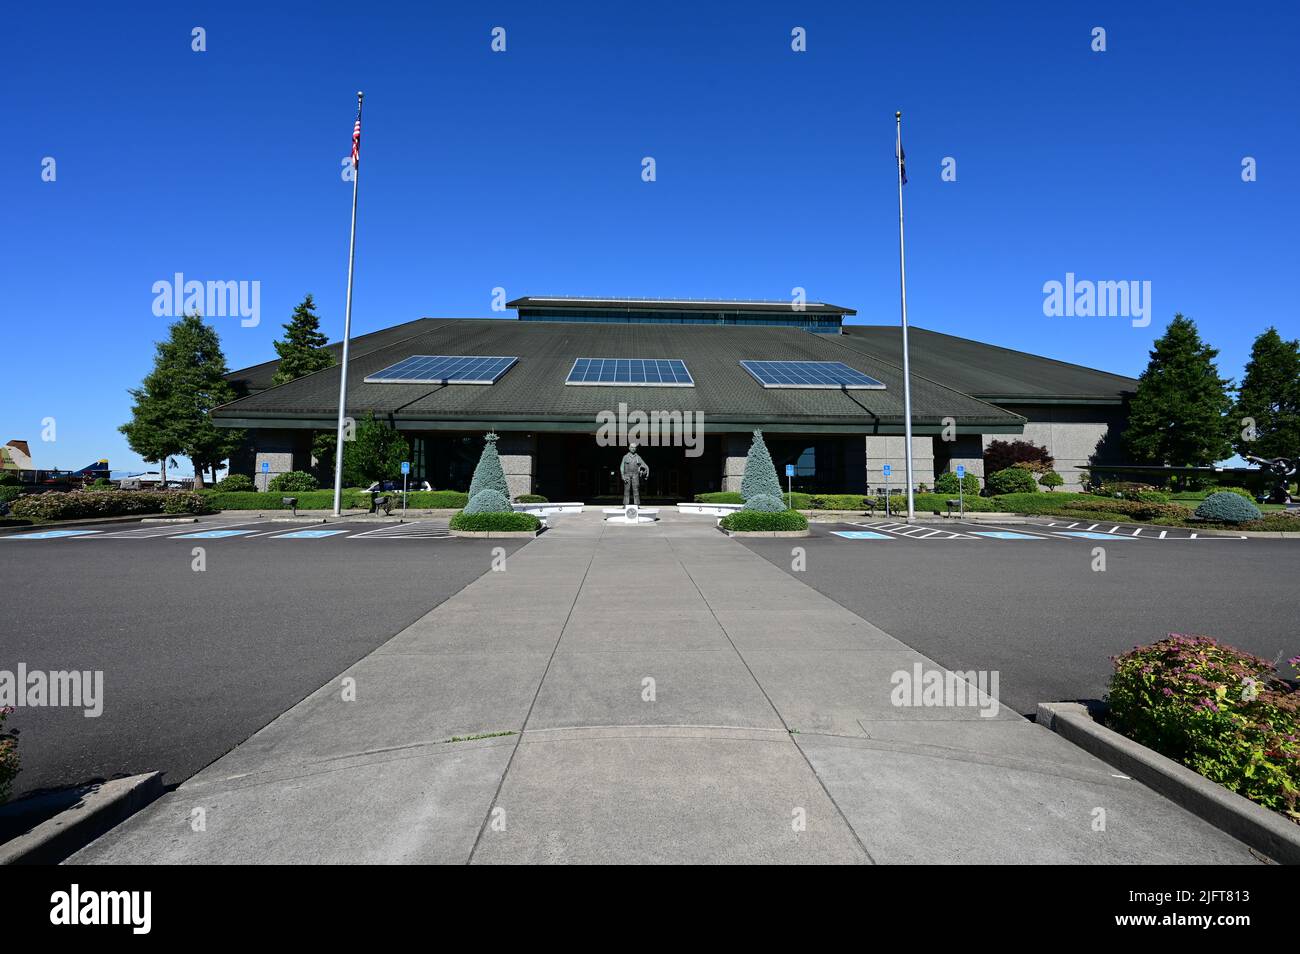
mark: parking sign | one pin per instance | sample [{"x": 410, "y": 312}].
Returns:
[
  {"x": 266, "y": 467},
  {"x": 961, "y": 471},
  {"x": 406, "y": 467},
  {"x": 789, "y": 470},
  {"x": 887, "y": 469}
]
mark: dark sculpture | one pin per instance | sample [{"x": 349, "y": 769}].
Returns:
[
  {"x": 632, "y": 468},
  {"x": 1281, "y": 469}
]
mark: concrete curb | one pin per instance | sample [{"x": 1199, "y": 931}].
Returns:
[
  {"x": 1261, "y": 829},
  {"x": 495, "y": 534},
  {"x": 106, "y": 805},
  {"x": 767, "y": 533},
  {"x": 84, "y": 521}
]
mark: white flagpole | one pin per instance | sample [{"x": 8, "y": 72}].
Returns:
[
  {"x": 907, "y": 374},
  {"x": 347, "y": 333}
]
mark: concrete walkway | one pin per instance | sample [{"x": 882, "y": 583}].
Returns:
[{"x": 673, "y": 698}]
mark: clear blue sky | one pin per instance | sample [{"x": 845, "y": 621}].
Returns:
[{"x": 522, "y": 170}]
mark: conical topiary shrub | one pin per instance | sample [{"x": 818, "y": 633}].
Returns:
[
  {"x": 488, "y": 500},
  {"x": 488, "y": 474},
  {"x": 760, "y": 475}
]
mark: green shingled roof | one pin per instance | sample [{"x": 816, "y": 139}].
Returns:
[
  {"x": 986, "y": 371},
  {"x": 533, "y": 395}
]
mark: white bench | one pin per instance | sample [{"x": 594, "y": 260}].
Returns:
[
  {"x": 542, "y": 508},
  {"x": 708, "y": 509}
]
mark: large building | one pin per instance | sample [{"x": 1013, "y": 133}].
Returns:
[{"x": 827, "y": 395}]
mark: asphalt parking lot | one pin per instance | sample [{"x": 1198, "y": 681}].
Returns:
[
  {"x": 195, "y": 661},
  {"x": 1025, "y": 599}
]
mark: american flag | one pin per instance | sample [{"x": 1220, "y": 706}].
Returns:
[
  {"x": 356, "y": 143},
  {"x": 902, "y": 163}
]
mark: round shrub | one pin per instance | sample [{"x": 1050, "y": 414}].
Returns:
[
  {"x": 295, "y": 481},
  {"x": 947, "y": 484},
  {"x": 488, "y": 500},
  {"x": 236, "y": 483},
  {"x": 1051, "y": 480},
  {"x": 1013, "y": 480},
  {"x": 9, "y": 479},
  {"x": 1227, "y": 507},
  {"x": 531, "y": 498},
  {"x": 765, "y": 503},
  {"x": 9, "y": 494}
]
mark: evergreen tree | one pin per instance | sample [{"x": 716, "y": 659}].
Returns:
[
  {"x": 375, "y": 453},
  {"x": 760, "y": 474},
  {"x": 170, "y": 415},
  {"x": 1179, "y": 415},
  {"x": 488, "y": 474},
  {"x": 1270, "y": 395},
  {"x": 303, "y": 349}
]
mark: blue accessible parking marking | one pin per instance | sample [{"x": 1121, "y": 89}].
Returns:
[
  {"x": 1005, "y": 535},
  {"x": 52, "y": 534},
  {"x": 307, "y": 534},
  {"x": 1090, "y": 535},
  {"x": 861, "y": 535},
  {"x": 210, "y": 534}
]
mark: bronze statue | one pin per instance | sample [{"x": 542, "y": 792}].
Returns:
[{"x": 632, "y": 468}]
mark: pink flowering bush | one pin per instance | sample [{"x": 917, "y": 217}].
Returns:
[{"x": 1221, "y": 712}]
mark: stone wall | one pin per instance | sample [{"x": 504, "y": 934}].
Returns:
[
  {"x": 892, "y": 450},
  {"x": 518, "y": 453}
]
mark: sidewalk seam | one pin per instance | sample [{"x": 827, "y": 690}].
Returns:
[
  {"x": 744, "y": 662},
  {"x": 523, "y": 726}
]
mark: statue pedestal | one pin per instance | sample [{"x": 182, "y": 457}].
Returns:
[{"x": 631, "y": 514}]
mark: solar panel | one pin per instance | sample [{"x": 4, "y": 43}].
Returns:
[
  {"x": 810, "y": 374},
  {"x": 443, "y": 369},
  {"x": 633, "y": 372}
]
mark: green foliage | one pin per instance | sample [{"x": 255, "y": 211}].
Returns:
[
  {"x": 1277, "y": 521},
  {"x": 9, "y": 760},
  {"x": 721, "y": 496},
  {"x": 9, "y": 479},
  {"x": 1270, "y": 395},
  {"x": 303, "y": 349},
  {"x": 375, "y": 453},
  {"x": 496, "y": 522},
  {"x": 1179, "y": 415},
  {"x": 1219, "y": 711},
  {"x": 1227, "y": 508},
  {"x": 9, "y": 494},
  {"x": 765, "y": 503},
  {"x": 531, "y": 498},
  {"x": 1239, "y": 491},
  {"x": 488, "y": 500},
  {"x": 946, "y": 483},
  {"x": 1000, "y": 455},
  {"x": 1012, "y": 480},
  {"x": 760, "y": 474},
  {"x": 488, "y": 474},
  {"x": 235, "y": 483},
  {"x": 1051, "y": 480},
  {"x": 352, "y": 499},
  {"x": 751, "y": 520},
  {"x": 169, "y": 416},
  {"x": 293, "y": 481},
  {"x": 1134, "y": 509},
  {"x": 83, "y": 504},
  {"x": 186, "y": 502}
]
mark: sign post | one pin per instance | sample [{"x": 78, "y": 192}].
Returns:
[
  {"x": 789, "y": 486},
  {"x": 886, "y": 470},
  {"x": 961, "y": 502},
  {"x": 266, "y": 475},
  {"x": 406, "y": 471}
]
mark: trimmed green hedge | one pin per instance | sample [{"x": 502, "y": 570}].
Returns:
[
  {"x": 495, "y": 521},
  {"x": 758, "y": 520},
  {"x": 88, "y": 504},
  {"x": 1135, "y": 509},
  {"x": 531, "y": 498},
  {"x": 1220, "y": 711},
  {"x": 725, "y": 496},
  {"x": 324, "y": 500}
]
